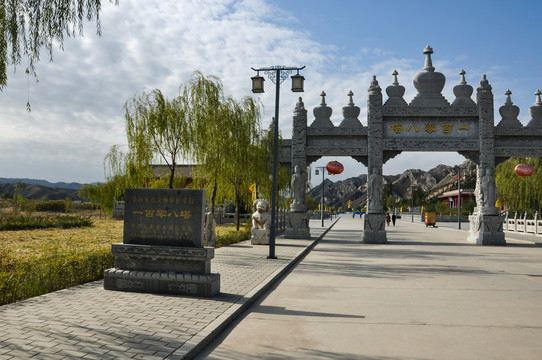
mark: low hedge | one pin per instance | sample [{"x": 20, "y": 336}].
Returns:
[
  {"x": 38, "y": 276},
  {"x": 40, "y": 222},
  {"x": 51, "y": 206},
  {"x": 232, "y": 237}
]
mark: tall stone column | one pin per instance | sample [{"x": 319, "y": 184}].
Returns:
[
  {"x": 297, "y": 226},
  {"x": 486, "y": 224},
  {"x": 374, "y": 221}
]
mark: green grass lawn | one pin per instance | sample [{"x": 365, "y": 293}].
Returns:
[{"x": 35, "y": 262}]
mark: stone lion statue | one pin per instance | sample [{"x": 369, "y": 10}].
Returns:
[{"x": 261, "y": 221}]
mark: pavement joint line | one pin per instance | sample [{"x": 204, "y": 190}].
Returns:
[{"x": 194, "y": 345}]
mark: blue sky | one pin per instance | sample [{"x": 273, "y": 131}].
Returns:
[{"x": 77, "y": 106}]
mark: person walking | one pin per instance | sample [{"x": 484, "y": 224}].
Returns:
[
  {"x": 388, "y": 219},
  {"x": 393, "y": 218}
]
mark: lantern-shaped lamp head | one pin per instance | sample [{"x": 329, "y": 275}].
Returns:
[
  {"x": 257, "y": 84},
  {"x": 297, "y": 82}
]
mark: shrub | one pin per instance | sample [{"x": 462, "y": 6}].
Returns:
[
  {"x": 51, "y": 206},
  {"x": 38, "y": 276},
  {"x": 232, "y": 237},
  {"x": 35, "y": 222},
  {"x": 84, "y": 206}
]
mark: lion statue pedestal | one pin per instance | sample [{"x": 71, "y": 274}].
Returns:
[{"x": 261, "y": 222}]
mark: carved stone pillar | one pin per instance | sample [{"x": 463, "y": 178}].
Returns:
[
  {"x": 486, "y": 225},
  {"x": 297, "y": 224},
  {"x": 374, "y": 229}
]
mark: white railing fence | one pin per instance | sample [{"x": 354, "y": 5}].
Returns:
[{"x": 522, "y": 224}]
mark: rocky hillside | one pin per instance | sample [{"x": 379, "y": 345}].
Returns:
[
  {"x": 433, "y": 182},
  {"x": 38, "y": 192}
]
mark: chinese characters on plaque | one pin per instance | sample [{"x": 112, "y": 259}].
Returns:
[{"x": 156, "y": 217}]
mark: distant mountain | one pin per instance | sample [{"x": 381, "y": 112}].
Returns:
[
  {"x": 38, "y": 189},
  {"x": 61, "y": 185},
  {"x": 433, "y": 182}
]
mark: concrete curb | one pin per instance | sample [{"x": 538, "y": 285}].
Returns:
[{"x": 193, "y": 346}]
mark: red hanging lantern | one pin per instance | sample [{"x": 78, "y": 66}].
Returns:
[
  {"x": 524, "y": 170},
  {"x": 334, "y": 167}
]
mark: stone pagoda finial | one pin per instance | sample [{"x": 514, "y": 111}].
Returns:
[
  {"x": 350, "y": 98},
  {"x": 351, "y": 113},
  {"x": 395, "y": 73},
  {"x": 395, "y": 92},
  {"x": 322, "y": 114},
  {"x": 509, "y": 113},
  {"x": 323, "y": 102},
  {"x": 428, "y": 63},
  {"x": 508, "y": 98},
  {"x": 536, "y": 112},
  {"x": 463, "y": 92},
  {"x": 462, "y": 81},
  {"x": 429, "y": 84}
]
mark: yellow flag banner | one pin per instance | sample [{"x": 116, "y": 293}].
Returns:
[{"x": 252, "y": 189}]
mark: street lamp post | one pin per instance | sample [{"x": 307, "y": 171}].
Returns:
[
  {"x": 412, "y": 206},
  {"x": 321, "y": 168},
  {"x": 459, "y": 199},
  {"x": 277, "y": 74}
]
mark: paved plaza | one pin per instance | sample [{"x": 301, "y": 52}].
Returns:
[
  {"x": 428, "y": 294},
  {"x": 88, "y": 322}
]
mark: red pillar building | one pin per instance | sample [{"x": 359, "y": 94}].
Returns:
[{"x": 450, "y": 197}]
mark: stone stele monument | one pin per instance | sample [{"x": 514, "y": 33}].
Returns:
[{"x": 162, "y": 250}]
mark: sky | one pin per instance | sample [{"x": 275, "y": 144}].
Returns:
[{"x": 77, "y": 109}]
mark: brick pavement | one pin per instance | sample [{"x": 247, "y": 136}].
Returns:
[{"x": 88, "y": 322}]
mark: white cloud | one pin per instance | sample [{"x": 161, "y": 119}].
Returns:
[{"x": 77, "y": 107}]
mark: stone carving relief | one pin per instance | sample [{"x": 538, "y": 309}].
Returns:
[
  {"x": 298, "y": 191},
  {"x": 375, "y": 191},
  {"x": 439, "y": 145},
  {"x": 489, "y": 192},
  {"x": 337, "y": 131},
  {"x": 423, "y": 111},
  {"x": 334, "y": 151}
]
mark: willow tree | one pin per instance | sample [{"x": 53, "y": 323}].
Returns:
[
  {"x": 264, "y": 170},
  {"x": 28, "y": 26},
  {"x": 242, "y": 124},
  {"x": 208, "y": 137},
  {"x": 520, "y": 193},
  {"x": 158, "y": 126}
]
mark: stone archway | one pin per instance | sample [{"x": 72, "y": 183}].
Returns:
[{"x": 428, "y": 123}]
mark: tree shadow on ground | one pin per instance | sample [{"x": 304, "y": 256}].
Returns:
[{"x": 280, "y": 310}]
